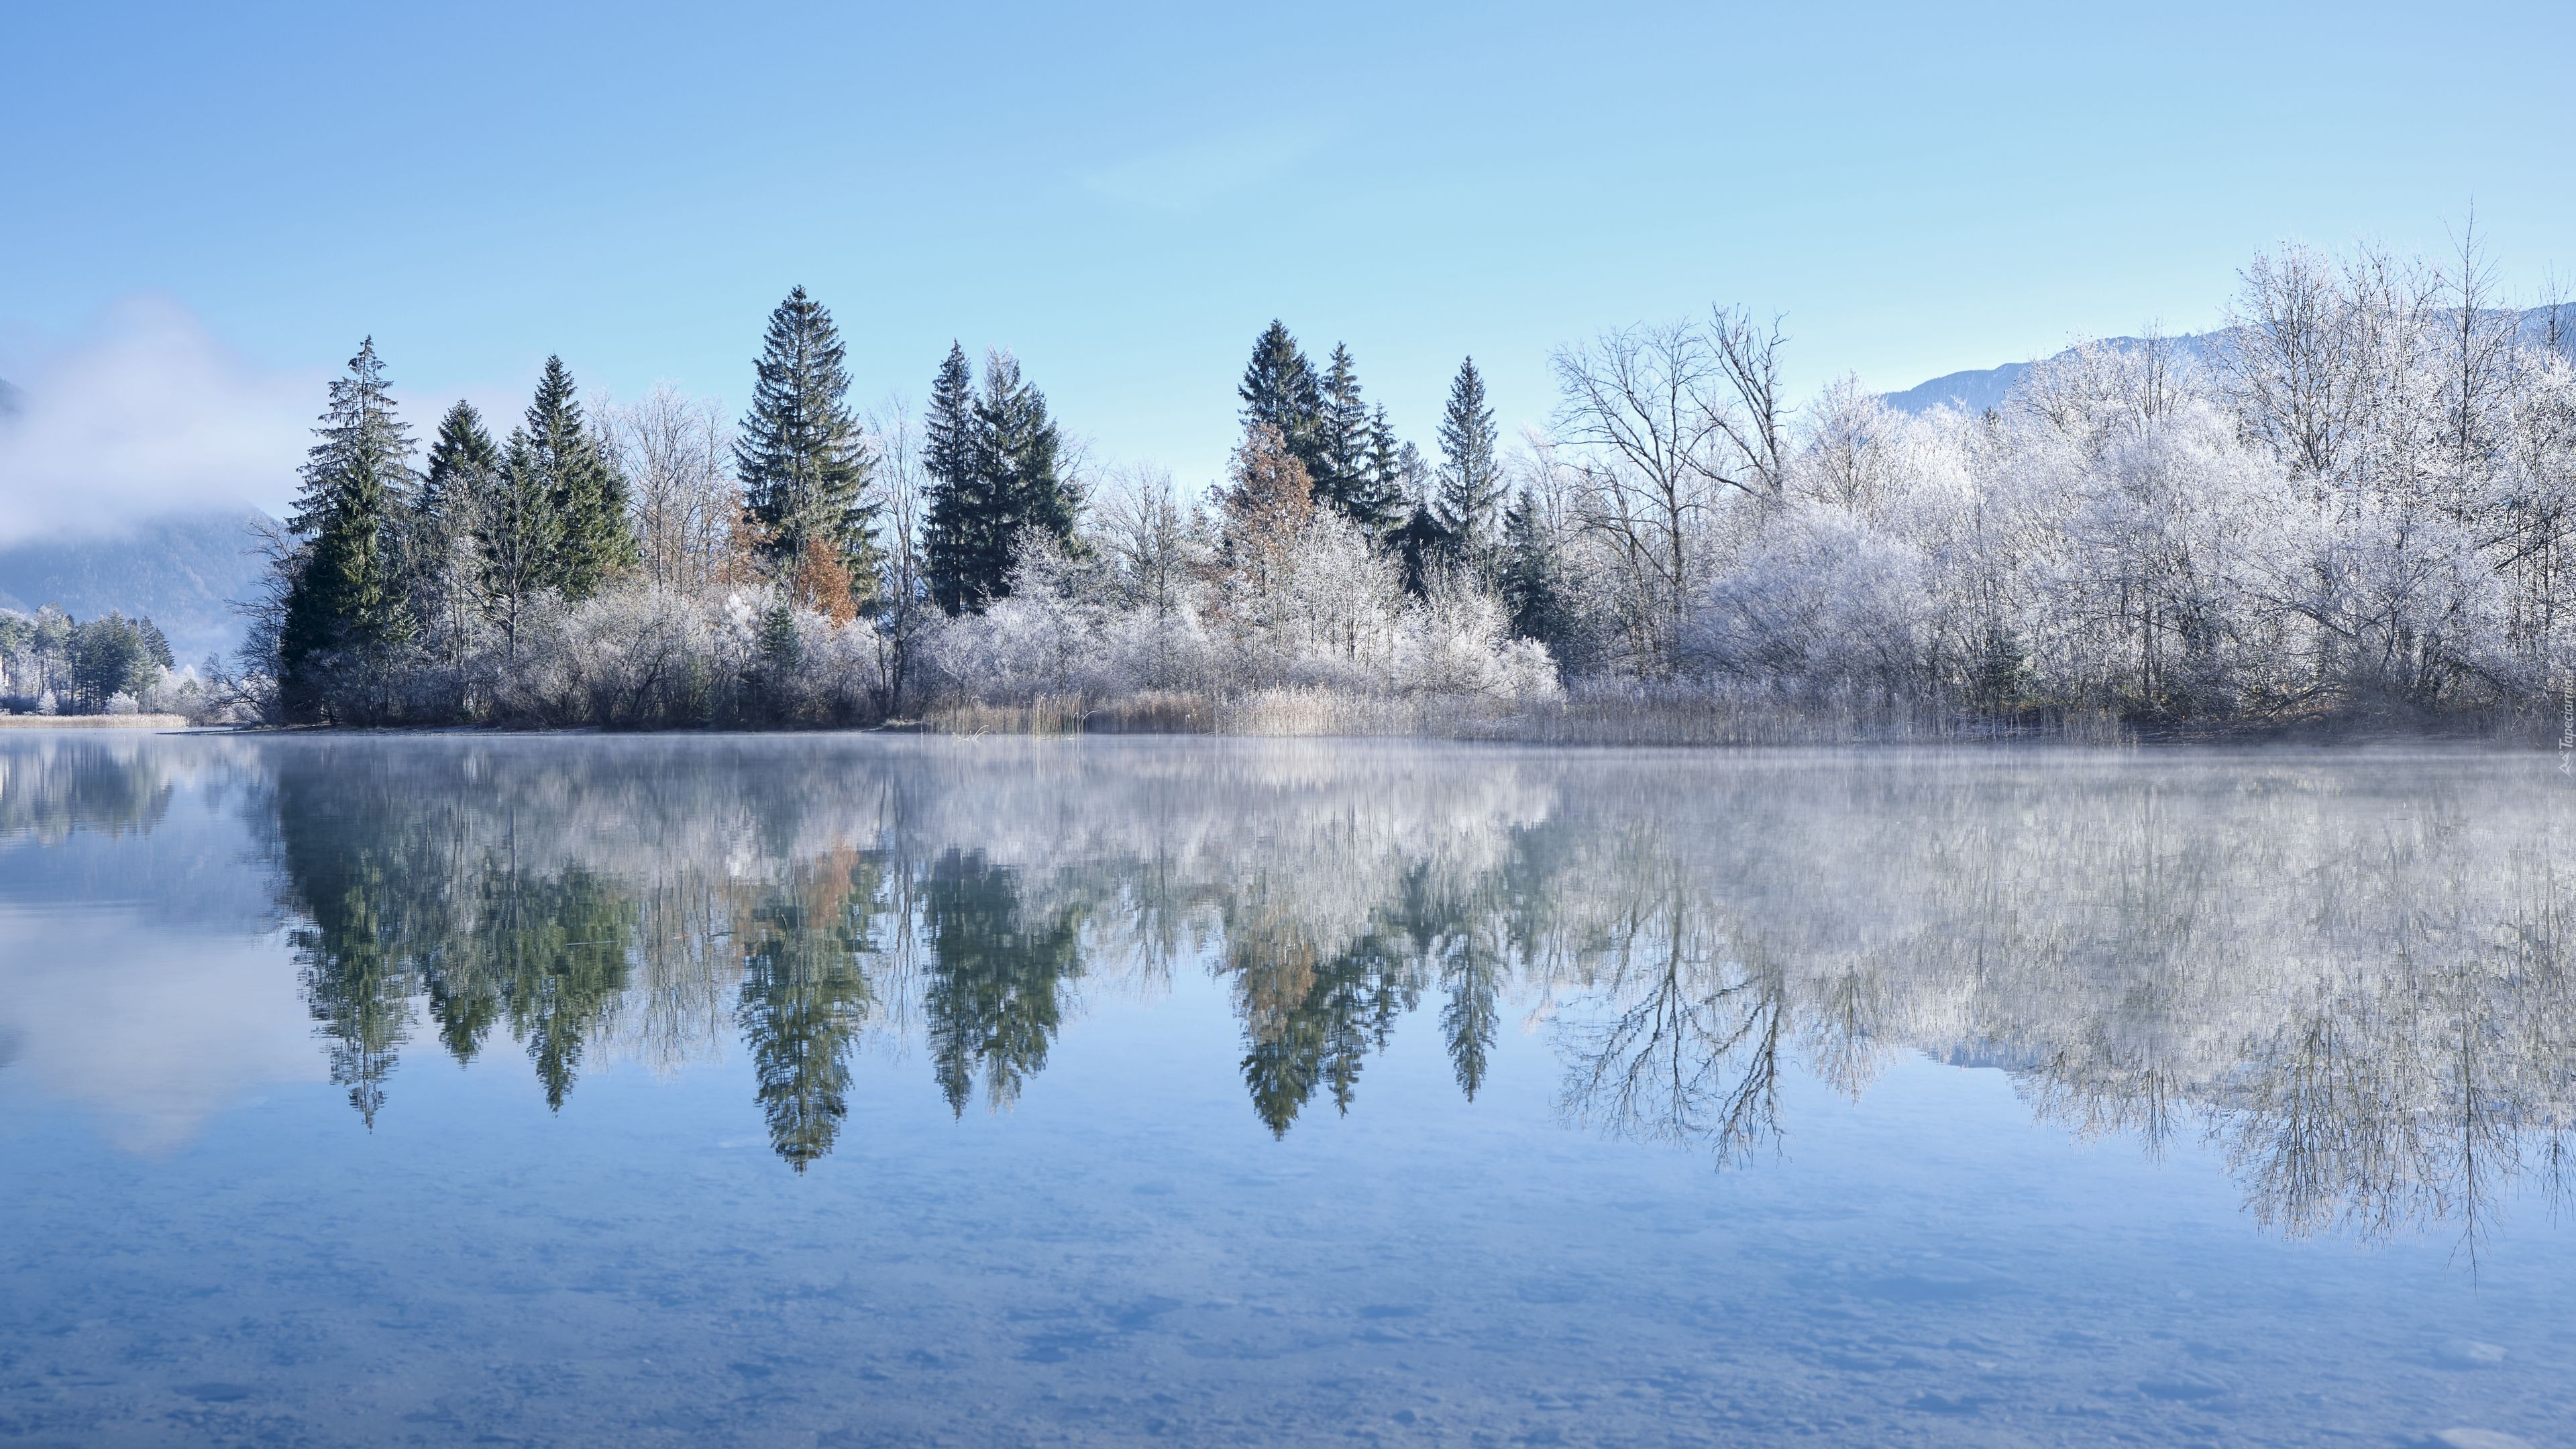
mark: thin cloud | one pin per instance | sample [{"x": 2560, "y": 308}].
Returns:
[
  {"x": 1190, "y": 177},
  {"x": 146, "y": 414}
]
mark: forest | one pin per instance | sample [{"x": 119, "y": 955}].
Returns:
[
  {"x": 53, "y": 664},
  {"x": 2351, "y": 501}
]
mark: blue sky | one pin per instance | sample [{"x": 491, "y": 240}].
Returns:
[{"x": 1124, "y": 197}]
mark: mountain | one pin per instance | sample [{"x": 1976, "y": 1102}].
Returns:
[
  {"x": 11, "y": 399},
  {"x": 1981, "y": 389},
  {"x": 1969, "y": 392},
  {"x": 1977, "y": 390},
  {"x": 184, "y": 570}
]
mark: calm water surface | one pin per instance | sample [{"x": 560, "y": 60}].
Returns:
[{"x": 874, "y": 1091}]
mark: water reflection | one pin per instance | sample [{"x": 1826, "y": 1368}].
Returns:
[{"x": 2351, "y": 974}]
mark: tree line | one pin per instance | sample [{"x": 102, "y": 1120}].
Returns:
[
  {"x": 51, "y": 663},
  {"x": 2356, "y": 495},
  {"x": 810, "y": 563}
]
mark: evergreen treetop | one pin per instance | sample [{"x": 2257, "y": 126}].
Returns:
[
  {"x": 1532, "y": 582},
  {"x": 1471, "y": 485},
  {"x": 344, "y": 595},
  {"x": 1280, "y": 390},
  {"x": 997, "y": 469},
  {"x": 958, "y": 549},
  {"x": 593, "y": 539},
  {"x": 1026, "y": 452},
  {"x": 462, "y": 453},
  {"x": 803, "y": 458},
  {"x": 1342, "y": 468}
]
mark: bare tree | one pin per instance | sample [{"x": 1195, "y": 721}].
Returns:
[
  {"x": 1158, "y": 546},
  {"x": 1752, "y": 417},
  {"x": 676, "y": 453},
  {"x": 1634, "y": 404},
  {"x": 904, "y": 512}
]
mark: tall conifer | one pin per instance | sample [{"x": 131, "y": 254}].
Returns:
[
  {"x": 344, "y": 602},
  {"x": 958, "y": 547},
  {"x": 1471, "y": 485},
  {"x": 1532, "y": 581},
  {"x": 594, "y": 538},
  {"x": 1025, "y": 454},
  {"x": 1342, "y": 473},
  {"x": 1280, "y": 390},
  {"x": 803, "y": 458},
  {"x": 996, "y": 464},
  {"x": 461, "y": 459},
  {"x": 464, "y": 467},
  {"x": 518, "y": 536}
]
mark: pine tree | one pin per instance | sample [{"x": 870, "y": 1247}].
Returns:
[
  {"x": 344, "y": 603},
  {"x": 1343, "y": 474},
  {"x": 1280, "y": 390},
  {"x": 803, "y": 457},
  {"x": 1423, "y": 547},
  {"x": 1024, "y": 453},
  {"x": 1388, "y": 481},
  {"x": 593, "y": 538},
  {"x": 518, "y": 536},
  {"x": 957, "y": 550},
  {"x": 1532, "y": 581},
  {"x": 996, "y": 466},
  {"x": 1471, "y": 484},
  {"x": 462, "y": 459},
  {"x": 445, "y": 525},
  {"x": 1396, "y": 473}
]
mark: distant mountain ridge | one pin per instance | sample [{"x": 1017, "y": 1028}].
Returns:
[
  {"x": 1980, "y": 389},
  {"x": 183, "y": 570}
]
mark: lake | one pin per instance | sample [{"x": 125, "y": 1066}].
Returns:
[{"x": 867, "y": 1090}]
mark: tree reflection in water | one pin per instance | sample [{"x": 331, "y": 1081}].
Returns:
[{"x": 2350, "y": 976}]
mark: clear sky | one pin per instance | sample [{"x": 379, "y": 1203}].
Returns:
[{"x": 1125, "y": 196}]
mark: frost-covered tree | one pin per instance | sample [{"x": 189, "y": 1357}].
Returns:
[
  {"x": 677, "y": 456},
  {"x": 343, "y": 599},
  {"x": 1469, "y": 499}
]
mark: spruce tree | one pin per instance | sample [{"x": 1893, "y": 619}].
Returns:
[
  {"x": 1023, "y": 452},
  {"x": 957, "y": 549},
  {"x": 344, "y": 603},
  {"x": 1532, "y": 582},
  {"x": 594, "y": 538},
  {"x": 1342, "y": 473},
  {"x": 445, "y": 526},
  {"x": 461, "y": 460},
  {"x": 1280, "y": 390},
  {"x": 996, "y": 466},
  {"x": 803, "y": 458},
  {"x": 1384, "y": 465},
  {"x": 1471, "y": 484},
  {"x": 518, "y": 536}
]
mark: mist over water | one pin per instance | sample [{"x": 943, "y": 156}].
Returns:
[{"x": 898, "y": 1090}]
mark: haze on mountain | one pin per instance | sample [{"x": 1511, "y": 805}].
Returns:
[{"x": 182, "y": 570}]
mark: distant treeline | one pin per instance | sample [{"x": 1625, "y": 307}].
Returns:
[
  {"x": 2356, "y": 496},
  {"x": 51, "y": 663}
]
